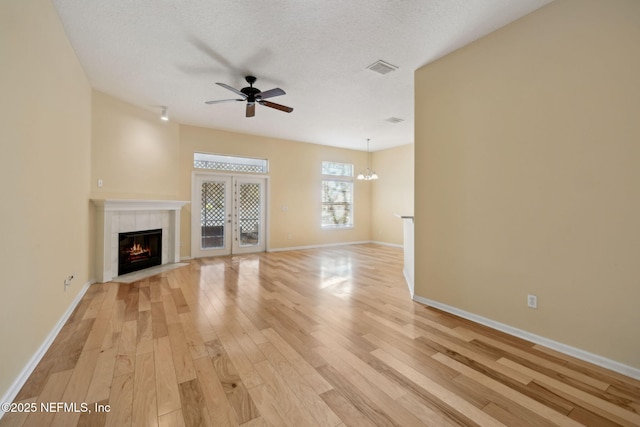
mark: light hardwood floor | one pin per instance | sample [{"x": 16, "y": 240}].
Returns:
[{"x": 324, "y": 337}]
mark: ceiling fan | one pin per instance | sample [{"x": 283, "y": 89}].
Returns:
[{"x": 252, "y": 95}]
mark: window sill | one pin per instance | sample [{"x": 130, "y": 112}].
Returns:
[{"x": 337, "y": 227}]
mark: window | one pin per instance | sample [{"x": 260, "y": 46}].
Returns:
[
  {"x": 337, "y": 169},
  {"x": 229, "y": 163},
  {"x": 337, "y": 195}
]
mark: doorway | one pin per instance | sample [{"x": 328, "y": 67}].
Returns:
[{"x": 228, "y": 214}]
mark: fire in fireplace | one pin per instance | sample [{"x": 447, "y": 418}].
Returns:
[{"x": 139, "y": 250}]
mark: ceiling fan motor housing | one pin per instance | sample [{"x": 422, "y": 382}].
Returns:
[{"x": 250, "y": 91}]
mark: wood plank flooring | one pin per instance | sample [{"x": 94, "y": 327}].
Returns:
[{"x": 321, "y": 337}]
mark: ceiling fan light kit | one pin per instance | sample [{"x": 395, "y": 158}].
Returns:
[{"x": 253, "y": 95}]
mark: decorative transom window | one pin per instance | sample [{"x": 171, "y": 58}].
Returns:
[
  {"x": 224, "y": 163},
  {"x": 337, "y": 195},
  {"x": 337, "y": 169}
]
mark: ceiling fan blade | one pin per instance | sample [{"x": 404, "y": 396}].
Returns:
[
  {"x": 223, "y": 100},
  {"x": 276, "y": 106},
  {"x": 251, "y": 109},
  {"x": 270, "y": 93},
  {"x": 232, "y": 89}
]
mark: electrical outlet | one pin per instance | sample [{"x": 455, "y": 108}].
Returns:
[{"x": 532, "y": 301}]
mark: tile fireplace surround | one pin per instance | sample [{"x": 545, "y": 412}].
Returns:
[{"x": 114, "y": 216}]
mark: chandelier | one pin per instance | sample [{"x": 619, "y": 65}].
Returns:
[{"x": 368, "y": 174}]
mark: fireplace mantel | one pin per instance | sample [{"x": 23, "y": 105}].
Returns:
[
  {"x": 114, "y": 216},
  {"x": 113, "y": 205}
]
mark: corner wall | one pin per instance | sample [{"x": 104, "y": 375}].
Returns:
[
  {"x": 392, "y": 194},
  {"x": 527, "y": 142},
  {"x": 45, "y": 134}
]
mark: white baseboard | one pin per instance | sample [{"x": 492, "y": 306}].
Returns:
[
  {"x": 22, "y": 378},
  {"x": 554, "y": 345},
  {"x": 328, "y": 245},
  {"x": 393, "y": 245}
]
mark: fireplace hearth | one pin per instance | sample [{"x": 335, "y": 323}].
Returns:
[{"x": 139, "y": 250}]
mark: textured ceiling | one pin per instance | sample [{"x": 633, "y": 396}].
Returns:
[{"x": 171, "y": 52}]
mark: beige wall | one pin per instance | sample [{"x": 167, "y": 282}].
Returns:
[
  {"x": 133, "y": 151},
  {"x": 45, "y": 131},
  {"x": 527, "y": 142},
  {"x": 392, "y": 194}
]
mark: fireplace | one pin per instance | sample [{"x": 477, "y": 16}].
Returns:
[
  {"x": 139, "y": 250},
  {"x": 115, "y": 216}
]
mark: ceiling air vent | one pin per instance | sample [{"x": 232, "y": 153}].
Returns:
[
  {"x": 394, "y": 120},
  {"x": 382, "y": 67}
]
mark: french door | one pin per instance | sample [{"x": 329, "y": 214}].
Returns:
[{"x": 228, "y": 215}]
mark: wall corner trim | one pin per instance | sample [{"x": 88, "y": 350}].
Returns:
[
  {"x": 554, "y": 345},
  {"x": 22, "y": 378}
]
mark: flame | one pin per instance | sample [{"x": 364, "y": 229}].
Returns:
[
  {"x": 137, "y": 252},
  {"x": 137, "y": 249}
]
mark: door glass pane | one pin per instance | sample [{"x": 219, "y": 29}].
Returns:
[
  {"x": 212, "y": 216},
  {"x": 249, "y": 214}
]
